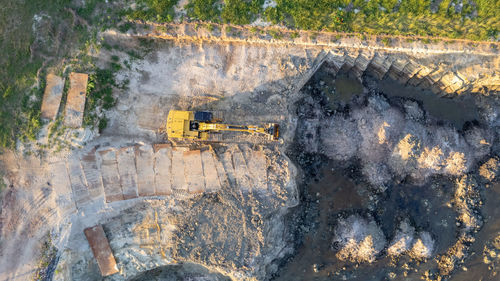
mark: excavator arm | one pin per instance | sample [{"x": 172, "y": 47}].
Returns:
[{"x": 270, "y": 130}]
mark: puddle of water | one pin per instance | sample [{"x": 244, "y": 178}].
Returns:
[
  {"x": 346, "y": 87},
  {"x": 426, "y": 206},
  {"x": 342, "y": 87},
  {"x": 339, "y": 88},
  {"x": 457, "y": 110},
  {"x": 335, "y": 193},
  {"x": 476, "y": 268}
]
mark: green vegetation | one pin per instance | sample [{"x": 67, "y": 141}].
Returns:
[
  {"x": 47, "y": 261},
  {"x": 20, "y": 61},
  {"x": 205, "y": 10},
  {"x": 228, "y": 11},
  {"x": 154, "y": 10},
  {"x": 103, "y": 123},
  {"x": 311, "y": 15},
  {"x": 412, "y": 17},
  {"x": 470, "y": 19},
  {"x": 37, "y": 35},
  {"x": 210, "y": 27},
  {"x": 99, "y": 95},
  {"x": 276, "y": 34},
  {"x": 2, "y": 182},
  {"x": 241, "y": 11},
  {"x": 55, "y": 134}
]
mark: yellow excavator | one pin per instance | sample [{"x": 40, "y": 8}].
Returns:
[{"x": 200, "y": 125}]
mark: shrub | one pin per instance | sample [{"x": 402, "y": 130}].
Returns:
[
  {"x": 205, "y": 10},
  {"x": 103, "y": 123},
  {"x": 154, "y": 10},
  {"x": 276, "y": 34},
  {"x": 241, "y": 11}
]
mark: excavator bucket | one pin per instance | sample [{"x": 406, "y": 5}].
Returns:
[{"x": 273, "y": 130}]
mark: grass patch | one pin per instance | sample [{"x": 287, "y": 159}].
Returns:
[
  {"x": 478, "y": 20},
  {"x": 99, "y": 98},
  {"x": 204, "y": 10},
  {"x": 475, "y": 20},
  {"x": 35, "y": 36},
  {"x": 153, "y": 10},
  {"x": 386, "y": 41},
  {"x": 241, "y": 11},
  {"x": 3, "y": 185},
  {"x": 275, "y": 33},
  {"x": 210, "y": 27},
  {"x": 19, "y": 100},
  {"x": 48, "y": 260}
]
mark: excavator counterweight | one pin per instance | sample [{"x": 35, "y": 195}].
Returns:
[{"x": 200, "y": 125}]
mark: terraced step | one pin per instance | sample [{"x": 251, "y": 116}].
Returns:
[
  {"x": 81, "y": 193},
  {"x": 362, "y": 62},
  {"x": 193, "y": 171},
  {"x": 404, "y": 69},
  {"x": 243, "y": 179},
  {"x": 128, "y": 175},
  {"x": 160, "y": 170},
  {"x": 349, "y": 61},
  {"x": 110, "y": 176},
  {"x": 163, "y": 169},
  {"x": 92, "y": 175},
  {"x": 178, "y": 177},
  {"x": 226, "y": 160},
  {"x": 397, "y": 70},
  {"x": 59, "y": 180},
  {"x": 210, "y": 173},
  {"x": 380, "y": 65},
  {"x": 144, "y": 162}
]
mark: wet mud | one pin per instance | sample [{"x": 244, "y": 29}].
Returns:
[
  {"x": 475, "y": 267},
  {"x": 456, "y": 110},
  {"x": 180, "y": 272},
  {"x": 333, "y": 189}
]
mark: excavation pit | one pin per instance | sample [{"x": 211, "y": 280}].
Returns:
[{"x": 352, "y": 144}]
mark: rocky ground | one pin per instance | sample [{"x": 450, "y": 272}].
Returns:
[{"x": 370, "y": 178}]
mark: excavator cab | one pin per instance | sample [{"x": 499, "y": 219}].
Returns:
[{"x": 200, "y": 124}]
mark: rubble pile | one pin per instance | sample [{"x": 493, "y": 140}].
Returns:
[
  {"x": 392, "y": 143},
  {"x": 358, "y": 239},
  {"x": 467, "y": 202}
]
